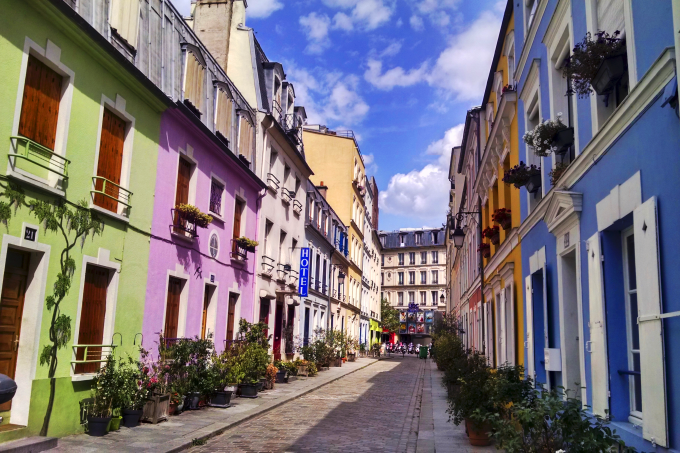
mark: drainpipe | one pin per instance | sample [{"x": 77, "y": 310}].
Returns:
[{"x": 479, "y": 233}]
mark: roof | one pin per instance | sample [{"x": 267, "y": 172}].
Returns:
[{"x": 392, "y": 238}]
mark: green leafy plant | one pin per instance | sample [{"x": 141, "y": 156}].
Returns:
[
  {"x": 254, "y": 333},
  {"x": 246, "y": 243},
  {"x": 389, "y": 316},
  {"x": 311, "y": 369},
  {"x": 194, "y": 215},
  {"x": 541, "y": 138},
  {"x": 254, "y": 361},
  {"x": 104, "y": 389},
  {"x": 584, "y": 62},
  {"x": 520, "y": 174},
  {"x": 557, "y": 172}
]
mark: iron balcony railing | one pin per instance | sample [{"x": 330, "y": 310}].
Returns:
[
  {"x": 297, "y": 206},
  {"x": 285, "y": 195},
  {"x": 273, "y": 182},
  {"x": 90, "y": 356},
  {"x": 267, "y": 265},
  {"x": 107, "y": 194},
  {"x": 281, "y": 270},
  {"x": 238, "y": 252},
  {"x": 293, "y": 277},
  {"x": 37, "y": 154},
  {"x": 182, "y": 226}
]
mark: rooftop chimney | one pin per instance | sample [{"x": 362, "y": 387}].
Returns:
[{"x": 322, "y": 189}]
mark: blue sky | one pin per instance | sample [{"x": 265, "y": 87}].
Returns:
[{"x": 400, "y": 73}]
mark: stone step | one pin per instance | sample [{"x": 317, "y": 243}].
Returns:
[{"x": 29, "y": 445}]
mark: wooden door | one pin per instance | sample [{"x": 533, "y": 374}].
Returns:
[
  {"x": 92, "y": 314},
  {"x": 110, "y": 160},
  {"x": 230, "y": 316},
  {"x": 204, "y": 317},
  {"x": 172, "y": 308},
  {"x": 182, "y": 191},
  {"x": 278, "y": 327},
  {"x": 40, "y": 104},
  {"x": 238, "y": 210},
  {"x": 11, "y": 310}
]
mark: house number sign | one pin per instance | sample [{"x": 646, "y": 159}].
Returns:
[{"x": 29, "y": 234}]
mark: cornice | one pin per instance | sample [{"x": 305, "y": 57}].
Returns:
[
  {"x": 563, "y": 211},
  {"x": 507, "y": 271},
  {"x": 511, "y": 241},
  {"x": 563, "y": 6}
]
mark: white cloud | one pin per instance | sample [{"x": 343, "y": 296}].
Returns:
[
  {"x": 316, "y": 28},
  {"x": 366, "y": 14},
  {"x": 342, "y": 21},
  {"x": 417, "y": 23},
  {"x": 391, "y": 50},
  {"x": 423, "y": 193},
  {"x": 369, "y": 163},
  {"x": 461, "y": 69},
  {"x": 395, "y": 77},
  {"x": 258, "y": 9},
  {"x": 330, "y": 98}
]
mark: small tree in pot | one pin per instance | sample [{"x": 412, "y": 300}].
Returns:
[{"x": 104, "y": 394}]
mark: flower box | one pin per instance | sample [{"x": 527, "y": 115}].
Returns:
[
  {"x": 282, "y": 377},
  {"x": 496, "y": 238},
  {"x": 486, "y": 252},
  {"x": 563, "y": 140},
  {"x": 506, "y": 223},
  {"x": 156, "y": 408},
  {"x": 534, "y": 183},
  {"x": 220, "y": 399},
  {"x": 609, "y": 74}
]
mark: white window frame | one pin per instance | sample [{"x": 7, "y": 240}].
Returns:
[
  {"x": 635, "y": 417},
  {"x": 531, "y": 95}
]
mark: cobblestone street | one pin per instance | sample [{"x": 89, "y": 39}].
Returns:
[{"x": 396, "y": 405}]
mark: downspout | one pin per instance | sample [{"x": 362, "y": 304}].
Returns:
[
  {"x": 258, "y": 204},
  {"x": 479, "y": 234}
]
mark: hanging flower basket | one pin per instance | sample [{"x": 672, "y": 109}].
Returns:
[
  {"x": 247, "y": 244},
  {"x": 503, "y": 217},
  {"x": 563, "y": 140},
  {"x": 541, "y": 138},
  {"x": 493, "y": 234},
  {"x": 519, "y": 175},
  {"x": 534, "y": 183},
  {"x": 194, "y": 215},
  {"x": 485, "y": 249},
  {"x": 586, "y": 67}
]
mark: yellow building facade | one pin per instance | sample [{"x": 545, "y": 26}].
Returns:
[
  {"x": 338, "y": 165},
  {"x": 502, "y": 289}
]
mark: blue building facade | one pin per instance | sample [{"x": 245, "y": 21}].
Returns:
[{"x": 599, "y": 248}]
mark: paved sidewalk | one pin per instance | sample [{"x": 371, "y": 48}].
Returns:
[
  {"x": 177, "y": 433},
  {"x": 435, "y": 432}
]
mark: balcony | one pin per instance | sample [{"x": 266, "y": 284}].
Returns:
[
  {"x": 267, "y": 265},
  {"x": 88, "y": 357},
  {"x": 293, "y": 277},
  {"x": 286, "y": 196},
  {"x": 282, "y": 272},
  {"x": 273, "y": 182},
  {"x": 297, "y": 206},
  {"x": 238, "y": 252},
  {"x": 290, "y": 123},
  {"x": 36, "y": 155},
  {"x": 109, "y": 195},
  {"x": 181, "y": 226}
]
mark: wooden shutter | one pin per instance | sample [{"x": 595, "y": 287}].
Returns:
[
  {"x": 172, "y": 308},
  {"x": 183, "y": 178},
  {"x": 501, "y": 327},
  {"x": 125, "y": 19},
  {"x": 204, "y": 317},
  {"x": 598, "y": 329},
  {"x": 238, "y": 210},
  {"x": 110, "y": 160},
  {"x": 610, "y": 16},
  {"x": 92, "y": 315},
  {"x": 40, "y": 105},
  {"x": 652, "y": 364},
  {"x": 245, "y": 137},
  {"x": 193, "y": 81},
  {"x": 529, "y": 326},
  {"x": 231, "y": 314},
  {"x": 223, "y": 118}
]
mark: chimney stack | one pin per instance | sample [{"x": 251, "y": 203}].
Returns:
[{"x": 322, "y": 189}]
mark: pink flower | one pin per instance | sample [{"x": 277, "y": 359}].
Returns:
[
  {"x": 146, "y": 370},
  {"x": 154, "y": 380}
]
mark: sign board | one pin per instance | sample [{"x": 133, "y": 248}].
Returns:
[
  {"x": 30, "y": 233},
  {"x": 304, "y": 272}
]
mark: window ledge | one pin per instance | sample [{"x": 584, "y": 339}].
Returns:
[
  {"x": 216, "y": 217},
  {"x": 83, "y": 377},
  {"x": 182, "y": 237},
  {"x": 36, "y": 182},
  {"x": 108, "y": 213}
]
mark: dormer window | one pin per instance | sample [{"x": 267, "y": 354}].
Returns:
[
  {"x": 277, "y": 95},
  {"x": 419, "y": 238},
  {"x": 194, "y": 76},
  {"x": 224, "y": 114}
]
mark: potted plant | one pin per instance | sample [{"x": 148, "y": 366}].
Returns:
[
  {"x": 226, "y": 371},
  {"x": 485, "y": 249},
  {"x": 247, "y": 244},
  {"x": 563, "y": 140},
  {"x": 194, "y": 215},
  {"x": 254, "y": 363},
  {"x": 507, "y": 88},
  {"x": 596, "y": 64},
  {"x": 133, "y": 390},
  {"x": 270, "y": 375},
  {"x": 103, "y": 396},
  {"x": 176, "y": 403},
  {"x": 503, "y": 217},
  {"x": 282, "y": 373},
  {"x": 541, "y": 138},
  {"x": 520, "y": 175},
  {"x": 557, "y": 172},
  {"x": 362, "y": 350},
  {"x": 493, "y": 234}
]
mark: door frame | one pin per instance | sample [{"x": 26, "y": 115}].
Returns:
[
  {"x": 101, "y": 260},
  {"x": 211, "y": 316},
  {"x": 31, "y": 318},
  {"x": 179, "y": 274}
]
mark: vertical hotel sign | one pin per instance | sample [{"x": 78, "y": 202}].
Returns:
[{"x": 304, "y": 272}]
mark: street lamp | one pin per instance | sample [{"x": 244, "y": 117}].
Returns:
[
  {"x": 442, "y": 299},
  {"x": 341, "y": 278},
  {"x": 458, "y": 235}
]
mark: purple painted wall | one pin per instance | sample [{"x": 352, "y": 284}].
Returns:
[{"x": 167, "y": 250}]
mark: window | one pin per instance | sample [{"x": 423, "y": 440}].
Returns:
[
  {"x": 194, "y": 76},
  {"x": 245, "y": 138},
  {"x": 401, "y": 278},
  {"x": 412, "y": 258},
  {"x": 435, "y": 257},
  {"x": 216, "y": 192},
  {"x": 411, "y": 297},
  {"x": 267, "y": 237},
  {"x": 402, "y": 238},
  {"x": 382, "y": 240},
  {"x": 184, "y": 170},
  {"x": 633, "y": 330},
  {"x": 435, "y": 237},
  {"x": 382, "y": 260},
  {"x": 530, "y": 13},
  {"x": 110, "y": 162},
  {"x": 40, "y": 105},
  {"x": 214, "y": 245},
  {"x": 423, "y": 277},
  {"x": 401, "y": 259},
  {"x": 400, "y": 298},
  {"x": 411, "y": 278},
  {"x": 238, "y": 211},
  {"x": 172, "y": 308},
  {"x": 435, "y": 277},
  {"x": 434, "y": 297},
  {"x": 286, "y": 175},
  {"x": 423, "y": 298},
  {"x": 382, "y": 278},
  {"x": 92, "y": 316},
  {"x": 224, "y": 114},
  {"x": 282, "y": 248},
  {"x": 419, "y": 238},
  {"x": 423, "y": 257},
  {"x": 125, "y": 19}
]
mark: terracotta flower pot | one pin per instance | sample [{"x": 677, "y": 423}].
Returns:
[{"x": 478, "y": 434}]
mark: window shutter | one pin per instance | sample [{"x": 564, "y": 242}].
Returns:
[
  {"x": 501, "y": 328},
  {"x": 245, "y": 137},
  {"x": 224, "y": 114},
  {"x": 610, "y": 16},
  {"x": 92, "y": 315},
  {"x": 529, "y": 326},
  {"x": 40, "y": 105},
  {"x": 110, "y": 161},
  {"x": 172, "y": 308},
  {"x": 193, "y": 81},
  {"x": 598, "y": 334},
  {"x": 125, "y": 19},
  {"x": 651, "y": 330}
]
